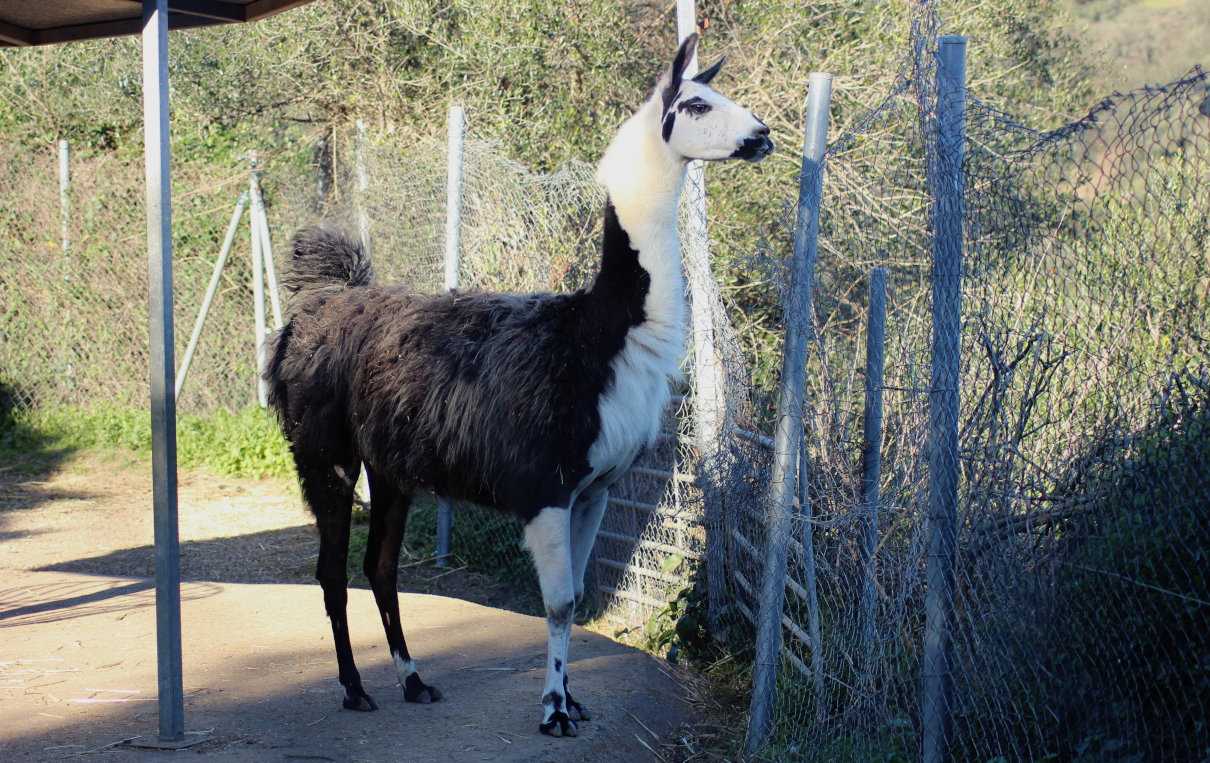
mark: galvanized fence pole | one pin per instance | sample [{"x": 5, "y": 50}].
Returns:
[
  {"x": 260, "y": 229},
  {"x": 871, "y": 465},
  {"x": 455, "y": 142},
  {"x": 211, "y": 290},
  {"x": 947, "y": 181},
  {"x": 810, "y": 579},
  {"x": 65, "y": 194},
  {"x": 258, "y": 294},
  {"x": 709, "y": 380},
  {"x": 799, "y": 314},
  {"x": 163, "y": 402},
  {"x": 363, "y": 186}
]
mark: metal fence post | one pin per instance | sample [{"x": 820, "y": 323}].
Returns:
[
  {"x": 211, "y": 290},
  {"x": 65, "y": 194},
  {"x": 156, "y": 148},
  {"x": 260, "y": 230},
  {"x": 363, "y": 185},
  {"x": 455, "y": 141},
  {"x": 947, "y": 187},
  {"x": 709, "y": 381},
  {"x": 871, "y": 463},
  {"x": 799, "y": 317},
  {"x": 258, "y": 293}
]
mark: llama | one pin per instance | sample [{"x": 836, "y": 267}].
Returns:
[{"x": 534, "y": 404}]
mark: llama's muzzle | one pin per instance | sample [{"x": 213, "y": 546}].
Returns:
[{"x": 755, "y": 147}]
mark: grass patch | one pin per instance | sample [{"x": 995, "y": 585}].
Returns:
[{"x": 247, "y": 443}]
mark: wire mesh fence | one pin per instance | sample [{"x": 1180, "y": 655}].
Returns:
[{"x": 1074, "y": 625}]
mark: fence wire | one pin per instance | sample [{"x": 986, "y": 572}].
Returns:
[
  {"x": 1080, "y": 596},
  {"x": 1080, "y": 599}
]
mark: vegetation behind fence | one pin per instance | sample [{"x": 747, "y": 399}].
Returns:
[{"x": 1080, "y": 591}]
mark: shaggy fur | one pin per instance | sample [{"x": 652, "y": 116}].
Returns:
[{"x": 540, "y": 362}]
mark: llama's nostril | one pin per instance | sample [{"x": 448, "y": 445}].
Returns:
[{"x": 763, "y": 130}]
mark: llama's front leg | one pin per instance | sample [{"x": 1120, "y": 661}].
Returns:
[
  {"x": 548, "y": 537},
  {"x": 585, "y": 523}
]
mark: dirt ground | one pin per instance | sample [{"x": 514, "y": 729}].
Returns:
[{"x": 77, "y": 635}]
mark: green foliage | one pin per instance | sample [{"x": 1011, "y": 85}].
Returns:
[
  {"x": 1136, "y": 566},
  {"x": 244, "y": 444}
]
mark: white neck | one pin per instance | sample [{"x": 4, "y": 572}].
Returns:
[{"x": 643, "y": 178}]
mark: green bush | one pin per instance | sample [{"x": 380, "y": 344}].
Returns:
[{"x": 244, "y": 444}]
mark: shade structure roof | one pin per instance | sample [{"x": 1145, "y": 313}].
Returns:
[{"x": 46, "y": 22}]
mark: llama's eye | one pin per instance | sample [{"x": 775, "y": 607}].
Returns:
[{"x": 697, "y": 109}]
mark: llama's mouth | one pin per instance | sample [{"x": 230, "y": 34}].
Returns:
[{"x": 754, "y": 149}]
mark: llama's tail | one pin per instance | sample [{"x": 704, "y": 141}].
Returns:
[{"x": 326, "y": 258}]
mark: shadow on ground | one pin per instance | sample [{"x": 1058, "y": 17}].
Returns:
[{"x": 259, "y": 678}]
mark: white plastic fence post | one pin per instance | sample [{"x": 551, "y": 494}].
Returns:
[
  {"x": 799, "y": 314},
  {"x": 947, "y": 184},
  {"x": 455, "y": 141}
]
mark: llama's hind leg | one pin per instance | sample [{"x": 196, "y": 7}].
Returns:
[
  {"x": 548, "y": 537},
  {"x": 330, "y": 496},
  {"x": 388, "y": 519}
]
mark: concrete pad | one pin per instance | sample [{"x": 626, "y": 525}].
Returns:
[{"x": 77, "y": 673}]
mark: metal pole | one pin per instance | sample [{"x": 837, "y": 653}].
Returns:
[
  {"x": 65, "y": 194},
  {"x": 204, "y": 310},
  {"x": 258, "y": 295},
  {"x": 163, "y": 401},
  {"x": 709, "y": 381},
  {"x": 455, "y": 140},
  {"x": 810, "y": 584},
  {"x": 946, "y": 180},
  {"x": 363, "y": 185},
  {"x": 871, "y": 460},
  {"x": 799, "y": 317},
  {"x": 260, "y": 228}
]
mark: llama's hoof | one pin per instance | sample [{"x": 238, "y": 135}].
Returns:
[
  {"x": 576, "y": 711},
  {"x": 558, "y": 725},
  {"x": 415, "y": 690},
  {"x": 357, "y": 699}
]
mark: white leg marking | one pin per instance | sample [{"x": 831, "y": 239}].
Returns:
[
  {"x": 403, "y": 668},
  {"x": 548, "y": 537},
  {"x": 585, "y": 522}
]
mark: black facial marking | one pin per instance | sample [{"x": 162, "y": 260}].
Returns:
[
  {"x": 669, "y": 120},
  {"x": 754, "y": 148},
  {"x": 694, "y": 107},
  {"x": 559, "y": 666}
]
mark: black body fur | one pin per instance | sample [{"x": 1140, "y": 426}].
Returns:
[{"x": 483, "y": 397}]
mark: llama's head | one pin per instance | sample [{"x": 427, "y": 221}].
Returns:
[{"x": 698, "y": 123}]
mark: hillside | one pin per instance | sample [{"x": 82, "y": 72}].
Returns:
[{"x": 1144, "y": 41}]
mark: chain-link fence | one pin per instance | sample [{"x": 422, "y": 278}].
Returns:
[
  {"x": 1064, "y": 617},
  {"x": 1072, "y": 623}
]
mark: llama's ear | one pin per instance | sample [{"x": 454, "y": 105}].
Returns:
[
  {"x": 703, "y": 78},
  {"x": 670, "y": 83}
]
